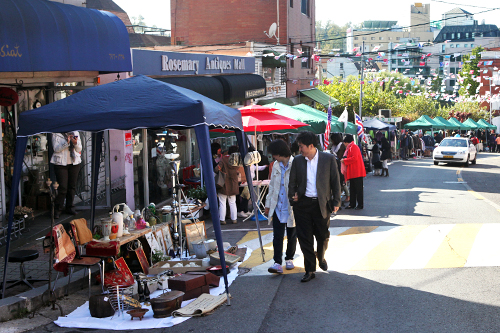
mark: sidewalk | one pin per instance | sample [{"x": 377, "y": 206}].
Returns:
[{"x": 22, "y": 296}]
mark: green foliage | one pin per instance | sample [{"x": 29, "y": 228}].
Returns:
[
  {"x": 330, "y": 30},
  {"x": 468, "y": 66},
  {"x": 464, "y": 110},
  {"x": 414, "y": 106},
  {"x": 198, "y": 193}
]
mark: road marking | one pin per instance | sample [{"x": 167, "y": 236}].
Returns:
[
  {"x": 384, "y": 255},
  {"x": 418, "y": 253},
  {"x": 486, "y": 248},
  {"x": 477, "y": 195},
  {"x": 397, "y": 247},
  {"x": 455, "y": 247}
]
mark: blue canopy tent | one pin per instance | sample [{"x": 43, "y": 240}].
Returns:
[
  {"x": 137, "y": 102},
  {"x": 375, "y": 124}
]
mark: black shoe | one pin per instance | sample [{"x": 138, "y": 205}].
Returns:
[
  {"x": 71, "y": 211},
  {"x": 349, "y": 207},
  {"x": 323, "y": 265},
  {"x": 57, "y": 214},
  {"x": 358, "y": 208},
  {"x": 308, "y": 277}
]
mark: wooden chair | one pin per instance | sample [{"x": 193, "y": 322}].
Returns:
[
  {"x": 66, "y": 256},
  {"x": 82, "y": 236}
]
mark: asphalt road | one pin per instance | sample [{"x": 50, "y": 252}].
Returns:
[{"x": 457, "y": 204}]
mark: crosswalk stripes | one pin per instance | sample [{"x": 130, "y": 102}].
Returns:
[{"x": 396, "y": 247}]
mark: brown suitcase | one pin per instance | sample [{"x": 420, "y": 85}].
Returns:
[
  {"x": 195, "y": 293},
  {"x": 186, "y": 282},
  {"x": 210, "y": 279}
]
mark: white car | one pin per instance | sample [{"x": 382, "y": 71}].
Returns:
[{"x": 458, "y": 150}]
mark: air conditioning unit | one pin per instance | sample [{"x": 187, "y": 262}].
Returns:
[{"x": 386, "y": 113}]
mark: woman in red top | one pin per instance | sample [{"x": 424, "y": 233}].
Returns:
[{"x": 354, "y": 172}]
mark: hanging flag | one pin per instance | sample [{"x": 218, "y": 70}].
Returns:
[
  {"x": 328, "y": 124},
  {"x": 304, "y": 59},
  {"x": 472, "y": 57},
  {"x": 343, "y": 118},
  {"x": 376, "y": 48},
  {"x": 316, "y": 57},
  {"x": 359, "y": 124}
]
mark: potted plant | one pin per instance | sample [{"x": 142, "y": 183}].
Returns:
[{"x": 199, "y": 193}]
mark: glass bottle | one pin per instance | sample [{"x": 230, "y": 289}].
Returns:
[
  {"x": 140, "y": 290},
  {"x": 146, "y": 291}
]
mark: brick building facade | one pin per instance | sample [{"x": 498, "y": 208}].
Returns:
[
  {"x": 490, "y": 75},
  {"x": 212, "y": 22}
]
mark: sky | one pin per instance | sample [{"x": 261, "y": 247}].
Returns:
[{"x": 157, "y": 12}]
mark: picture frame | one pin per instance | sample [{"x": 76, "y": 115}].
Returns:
[
  {"x": 194, "y": 232},
  {"x": 167, "y": 238},
  {"x": 142, "y": 260}
]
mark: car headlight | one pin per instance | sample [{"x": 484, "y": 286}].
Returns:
[
  {"x": 462, "y": 151},
  {"x": 437, "y": 152}
]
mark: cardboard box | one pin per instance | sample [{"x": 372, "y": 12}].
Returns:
[{"x": 156, "y": 268}]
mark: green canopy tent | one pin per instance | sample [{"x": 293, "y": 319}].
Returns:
[
  {"x": 472, "y": 124},
  {"x": 424, "y": 123},
  {"x": 460, "y": 126},
  {"x": 486, "y": 124},
  {"x": 335, "y": 126},
  {"x": 445, "y": 124},
  {"x": 316, "y": 122}
]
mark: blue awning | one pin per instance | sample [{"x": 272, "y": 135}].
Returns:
[{"x": 41, "y": 35}]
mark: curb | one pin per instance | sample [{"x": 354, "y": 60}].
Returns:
[{"x": 31, "y": 300}]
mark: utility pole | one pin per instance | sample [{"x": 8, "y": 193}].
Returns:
[{"x": 361, "y": 82}]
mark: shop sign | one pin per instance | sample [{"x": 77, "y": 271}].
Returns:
[
  {"x": 161, "y": 63},
  {"x": 8, "y": 97},
  {"x": 255, "y": 93},
  {"x": 128, "y": 139}
]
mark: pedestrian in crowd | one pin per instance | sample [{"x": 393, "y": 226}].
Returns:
[
  {"x": 475, "y": 142},
  {"x": 404, "y": 146},
  {"x": 338, "y": 150},
  {"x": 66, "y": 159},
  {"x": 377, "y": 164},
  {"x": 216, "y": 153},
  {"x": 355, "y": 172},
  {"x": 497, "y": 140},
  {"x": 231, "y": 187},
  {"x": 243, "y": 198},
  {"x": 386, "y": 155},
  {"x": 438, "y": 137},
  {"x": 314, "y": 193},
  {"x": 278, "y": 207},
  {"x": 491, "y": 141}
]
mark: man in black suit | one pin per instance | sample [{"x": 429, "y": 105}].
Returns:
[{"x": 314, "y": 191}]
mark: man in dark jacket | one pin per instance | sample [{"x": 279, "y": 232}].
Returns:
[{"x": 314, "y": 193}]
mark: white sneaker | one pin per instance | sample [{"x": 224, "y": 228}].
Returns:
[
  {"x": 248, "y": 214},
  {"x": 242, "y": 214},
  {"x": 289, "y": 264}
]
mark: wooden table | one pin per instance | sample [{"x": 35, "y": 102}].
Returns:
[{"x": 134, "y": 234}]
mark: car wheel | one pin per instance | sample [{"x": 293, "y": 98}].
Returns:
[
  {"x": 474, "y": 160},
  {"x": 436, "y": 163},
  {"x": 467, "y": 162}
]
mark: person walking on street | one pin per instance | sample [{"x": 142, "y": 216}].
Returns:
[
  {"x": 338, "y": 150},
  {"x": 355, "y": 172},
  {"x": 497, "y": 140},
  {"x": 66, "y": 159},
  {"x": 278, "y": 208},
  {"x": 230, "y": 189},
  {"x": 404, "y": 146},
  {"x": 386, "y": 155},
  {"x": 314, "y": 193}
]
